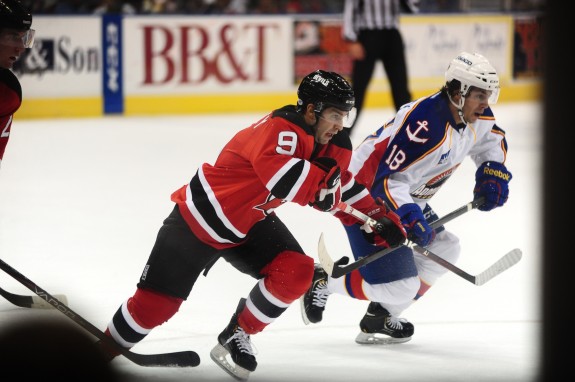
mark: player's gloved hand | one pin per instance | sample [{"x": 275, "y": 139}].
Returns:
[
  {"x": 418, "y": 230},
  {"x": 329, "y": 194},
  {"x": 388, "y": 232},
  {"x": 492, "y": 183}
]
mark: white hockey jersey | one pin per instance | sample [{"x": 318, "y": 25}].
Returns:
[{"x": 411, "y": 156}]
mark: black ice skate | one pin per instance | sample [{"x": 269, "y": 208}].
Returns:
[
  {"x": 236, "y": 344},
  {"x": 313, "y": 301},
  {"x": 378, "y": 327}
]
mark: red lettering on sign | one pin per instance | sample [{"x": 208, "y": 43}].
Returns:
[
  {"x": 150, "y": 54},
  {"x": 191, "y": 54}
]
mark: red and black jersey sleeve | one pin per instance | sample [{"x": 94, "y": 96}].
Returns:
[{"x": 10, "y": 101}]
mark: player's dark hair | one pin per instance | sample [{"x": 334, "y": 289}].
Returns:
[{"x": 451, "y": 88}]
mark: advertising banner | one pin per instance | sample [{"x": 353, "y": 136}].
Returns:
[
  {"x": 112, "y": 78},
  {"x": 65, "y": 60},
  {"x": 528, "y": 48},
  {"x": 430, "y": 43},
  {"x": 180, "y": 64},
  {"x": 195, "y": 55}
]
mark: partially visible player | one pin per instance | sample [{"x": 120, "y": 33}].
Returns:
[
  {"x": 15, "y": 36},
  {"x": 405, "y": 162},
  {"x": 294, "y": 154}
]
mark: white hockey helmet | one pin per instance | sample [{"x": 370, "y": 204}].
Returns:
[{"x": 473, "y": 69}]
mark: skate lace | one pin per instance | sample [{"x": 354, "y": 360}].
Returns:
[
  {"x": 243, "y": 341},
  {"x": 320, "y": 294},
  {"x": 395, "y": 323}
]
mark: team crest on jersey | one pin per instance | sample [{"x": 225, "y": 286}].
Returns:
[
  {"x": 270, "y": 205},
  {"x": 430, "y": 188},
  {"x": 417, "y": 135},
  {"x": 444, "y": 157}
]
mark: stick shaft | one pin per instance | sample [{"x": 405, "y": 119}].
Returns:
[
  {"x": 181, "y": 359},
  {"x": 341, "y": 270}
]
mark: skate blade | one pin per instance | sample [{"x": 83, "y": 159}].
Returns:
[
  {"x": 378, "y": 339},
  {"x": 220, "y": 356}
]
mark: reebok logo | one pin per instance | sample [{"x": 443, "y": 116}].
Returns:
[{"x": 496, "y": 173}]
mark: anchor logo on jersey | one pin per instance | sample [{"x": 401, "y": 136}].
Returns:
[{"x": 414, "y": 136}]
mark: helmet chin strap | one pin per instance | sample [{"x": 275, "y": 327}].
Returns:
[{"x": 459, "y": 107}]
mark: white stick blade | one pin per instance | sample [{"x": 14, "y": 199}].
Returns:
[
  {"x": 506, "y": 262},
  {"x": 324, "y": 258},
  {"x": 40, "y": 303}
]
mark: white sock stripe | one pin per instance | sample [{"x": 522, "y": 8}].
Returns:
[
  {"x": 257, "y": 313},
  {"x": 116, "y": 336},
  {"x": 271, "y": 298}
]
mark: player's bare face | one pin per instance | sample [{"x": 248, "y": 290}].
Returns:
[
  {"x": 11, "y": 47},
  {"x": 8, "y": 56},
  {"x": 330, "y": 123},
  {"x": 475, "y": 104}
]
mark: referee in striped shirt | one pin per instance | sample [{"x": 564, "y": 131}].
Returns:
[{"x": 372, "y": 29}]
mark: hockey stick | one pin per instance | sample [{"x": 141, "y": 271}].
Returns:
[
  {"x": 177, "y": 359},
  {"x": 507, "y": 261},
  {"x": 340, "y": 268},
  {"x": 33, "y": 302}
]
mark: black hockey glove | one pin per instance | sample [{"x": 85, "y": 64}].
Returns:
[
  {"x": 329, "y": 193},
  {"x": 388, "y": 232}
]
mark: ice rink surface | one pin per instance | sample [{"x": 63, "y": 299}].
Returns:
[{"x": 81, "y": 201}]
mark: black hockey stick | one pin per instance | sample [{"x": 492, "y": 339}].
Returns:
[
  {"x": 505, "y": 262},
  {"x": 176, "y": 359},
  {"x": 33, "y": 302},
  {"x": 340, "y": 268}
]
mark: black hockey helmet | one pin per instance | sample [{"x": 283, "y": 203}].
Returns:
[
  {"x": 14, "y": 15},
  {"x": 325, "y": 89}
]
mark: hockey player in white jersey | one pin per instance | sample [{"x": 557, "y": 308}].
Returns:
[{"x": 405, "y": 163}]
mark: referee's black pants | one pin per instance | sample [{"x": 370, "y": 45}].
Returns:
[{"x": 385, "y": 45}]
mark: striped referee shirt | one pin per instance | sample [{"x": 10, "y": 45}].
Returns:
[{"x": 373, "y": 14}]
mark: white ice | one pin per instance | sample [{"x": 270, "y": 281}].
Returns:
[{"x": 81, "y": 201}]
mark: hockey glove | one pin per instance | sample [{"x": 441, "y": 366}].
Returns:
[
  {"x": 388, "y": 232},
  {"x": 418, "y": 230},
  {"x": 329, "y": 194},
  {"x": 492, "y": 183}
]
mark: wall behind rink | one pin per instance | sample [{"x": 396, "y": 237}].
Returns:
[{"x": 144, "y": 65}]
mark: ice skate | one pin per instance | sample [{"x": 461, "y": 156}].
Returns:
[
  {"x": 313, "y": 301},
  {"x": 378, "y": 327},
  {"x": 234, "y": 352}
]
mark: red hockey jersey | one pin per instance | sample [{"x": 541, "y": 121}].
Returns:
[
  {"x": 261, "y": 167},
  {"x": 10, "y": 100}
]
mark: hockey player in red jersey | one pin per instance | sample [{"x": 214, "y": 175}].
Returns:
[
  {"x": 15, "y": 36},
  {"x": 294, "y": 154}
]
